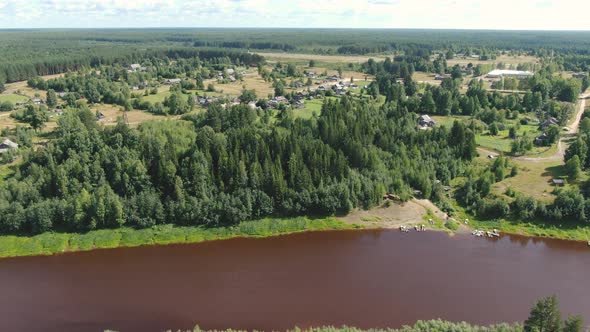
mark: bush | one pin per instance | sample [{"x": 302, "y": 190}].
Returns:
[{"x": 452, "y": 225}]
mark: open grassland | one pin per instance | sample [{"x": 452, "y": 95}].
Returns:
[
  {"x": 162, "y": 94},
  {"x": 295, "y": 57},
  {"x": 22, "y": 88},
  {"x": 6, "y": 121},
  {"x": 55, "y": 243},
  {"x": 422, "y": 77},
  {"x": 533, "y": 179},
  {"x": 506, "y": 59},
  {"x": 13, "y": 98},
  {"x": 311, "y": 107},
  {"x": 134, "y": 117}
]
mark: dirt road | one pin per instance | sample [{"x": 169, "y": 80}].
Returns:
[{"x": 561, "y": 145}]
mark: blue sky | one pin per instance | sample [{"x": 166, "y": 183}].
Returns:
[{"x": 456, "y": 14}]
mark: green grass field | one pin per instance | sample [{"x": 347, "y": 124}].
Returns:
[
  {"x": 311, "y": 106},
  {"x": 55, "y": 243},
  {"x": 13, "y": 98},
  {"x": 159, "y": 97}
]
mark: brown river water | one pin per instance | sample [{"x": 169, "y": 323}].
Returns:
[{"x": 361, "y": 278}]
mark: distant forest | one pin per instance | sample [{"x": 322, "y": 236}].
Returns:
[{"x": 29, "y": 53}]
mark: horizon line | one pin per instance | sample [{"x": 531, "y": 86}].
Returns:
[{"x": 284, "y": 28}]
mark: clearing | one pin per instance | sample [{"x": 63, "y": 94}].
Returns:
[
  {"x": 395, "y": 215},
  {"x": 320, "y": 58}
]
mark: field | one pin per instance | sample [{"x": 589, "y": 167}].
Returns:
[
  {"x": 12, "y": 98},
  {"x": 311, "y": 106},
  {"x": 422, "y": 77},
  {"x": 134, "y": 117},
  {"x": 533, "y": 179},
  {"x": 506, "y": 59},
  {"x": 296, "y": 57}
]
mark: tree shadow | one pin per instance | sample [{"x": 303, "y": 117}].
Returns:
[{"x": 555, "y": 171}]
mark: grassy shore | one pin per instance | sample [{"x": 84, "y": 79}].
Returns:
[
  {"x": 55, "y": 243},
  {"x": 563, "y": 231}
]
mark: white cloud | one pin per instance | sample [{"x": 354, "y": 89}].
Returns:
[{"x": 485, "y": 14}]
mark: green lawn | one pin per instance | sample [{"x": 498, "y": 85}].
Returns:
[
  {"x": 159, "y": 97},
  {"x": 13, "y": 98},
  {"x": 55, "y": 243},
  {"x": 311, "y": 106}
]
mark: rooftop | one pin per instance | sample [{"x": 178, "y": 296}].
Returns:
[{"x": 509, "y": 72}]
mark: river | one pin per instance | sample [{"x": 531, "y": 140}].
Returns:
[{"x": 366, "y": 278}]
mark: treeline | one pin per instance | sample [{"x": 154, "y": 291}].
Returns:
[
  {"x": 545, "y": 315},
  {"x": 247, "y": 45},
  {"x": 19, "y": 69},
  {"x": 228, "y": 165}
]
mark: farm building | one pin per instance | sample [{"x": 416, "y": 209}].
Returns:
[
  {"x": 7, "y": 145},
  {"x": 498, "y": 73},
  {"x": 173, "y": 81}
]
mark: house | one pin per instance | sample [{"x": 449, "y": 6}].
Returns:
[
  {"x": 8, "y": 145},
  {"x": 62, "y": 94},
  {"x": 230, "y": 71},
  {"x": 252, "y": 105},
  {"x": 232, "y": 79},
  {"x": 558, "y": 182},
  {"x": 136, "y": 67},
  {"x": 441, "y": 77},
  {"x": 549, "y": 122},
  {"x": 541, "y": 139},
  {"x": 391, "y": 197},
  {"x": 299, "y": 103},
  {"x": 275, "y": 102},
  {"x": 173, "y": 81},
  {"x": 37, "y": 101},
  {"x": 579, "y": 75},
  {"x": 426, "y": 121}
]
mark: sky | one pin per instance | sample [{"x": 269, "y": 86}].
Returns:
[{"x": 427, "y": 14}]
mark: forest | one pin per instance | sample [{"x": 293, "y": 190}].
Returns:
[
  {"x": 27, "y": 53},
  {"x": 227, "y": 165}
]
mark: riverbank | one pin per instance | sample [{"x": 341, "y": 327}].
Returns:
[
  {"x": 562, "y": 231},
  {"x": 419, "y": 326},
  {"x": 57, "y": 243}
]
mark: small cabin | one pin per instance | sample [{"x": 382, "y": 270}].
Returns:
[
  {"x": 558, "y": 182},
  {"x": 426, "y": 121}
]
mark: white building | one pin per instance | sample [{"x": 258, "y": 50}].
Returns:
[
  {"x": 7, "y": 145},
  {"x": 497, "y": 73}
]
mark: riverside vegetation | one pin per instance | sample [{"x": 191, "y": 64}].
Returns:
[{"x": 544, "y": 316}]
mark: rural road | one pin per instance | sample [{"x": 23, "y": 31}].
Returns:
[{"x": 574, "y": 126}]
